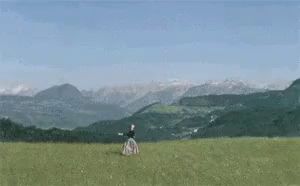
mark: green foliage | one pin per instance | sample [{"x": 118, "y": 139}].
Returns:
[
  {"x": 10, "y": 131},
  {"x": 255, "y": 122}
]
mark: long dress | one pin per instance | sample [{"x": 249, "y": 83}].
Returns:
[{"x": 130, "y": 147}]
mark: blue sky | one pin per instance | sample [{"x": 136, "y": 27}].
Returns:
[{"x": 92, "y": 44}]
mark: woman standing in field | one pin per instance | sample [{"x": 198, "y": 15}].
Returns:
[{"x": 130, "y": 147}]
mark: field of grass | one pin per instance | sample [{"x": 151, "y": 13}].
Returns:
[
  {"x": 177, "y": 109},
  {"x": 239, "y": 161}
]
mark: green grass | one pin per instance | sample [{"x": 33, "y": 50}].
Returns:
[
  {"x": 177, "y": 109},
  {"x": 240, "y": 161},
  {"x": 165, "y": 109}
]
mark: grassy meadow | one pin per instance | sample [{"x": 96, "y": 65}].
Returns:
[{"x": 224, "y": 161}]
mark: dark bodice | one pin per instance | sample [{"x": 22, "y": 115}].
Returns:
[{"x": 130, "y": 134}]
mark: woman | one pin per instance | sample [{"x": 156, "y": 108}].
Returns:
[{"x": 130, "y": 146}]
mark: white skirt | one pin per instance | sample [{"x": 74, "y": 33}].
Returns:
[{"x": 130, "y": 147}]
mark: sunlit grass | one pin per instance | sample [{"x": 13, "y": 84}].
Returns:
[
  {"x": 177, "y": 109},
  {"x": 240, "y": 161}
]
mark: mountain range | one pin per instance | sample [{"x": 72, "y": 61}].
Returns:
[
  {"x": 219, "y": 88},
  {"x": 268, "y": 113},
  {"x": 64, "y": 106},
  {"x": 60, "y": 106},
  {"x": 135, "y": 97}
]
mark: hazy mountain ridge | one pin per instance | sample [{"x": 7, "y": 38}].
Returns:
[
  {"x": 60, "y": 92},
  {"x": 219, "y": 88},
  {"x": 135, "y": 97},
  {"x": 65, "y": 106},
  {"x": 121, "y": 95},
  {"x": 270, "y": 113},
  {"x": 166, "y": 96},
  {"x": 124, "y": 95},
  {"x": 59, "y": 106}
]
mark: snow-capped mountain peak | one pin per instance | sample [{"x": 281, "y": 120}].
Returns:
[
  {"x": 228, "y": 83},
  {"x": 20, "y": 89}
]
